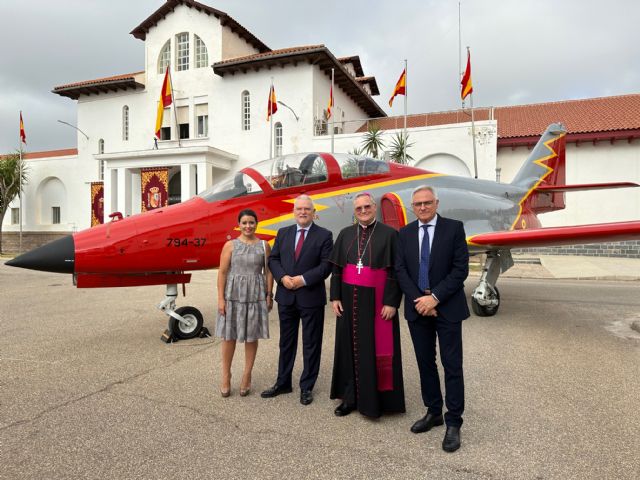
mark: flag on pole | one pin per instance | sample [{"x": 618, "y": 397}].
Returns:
[
  {"x": 401, "y": 87},
  {"x": 272, "y": 105},
  {"x": 23, "y": 136},
  {"x": 330, "y": 106},
  {"x": 166, "y": 98},
  {"x": 467, "y": 86}
]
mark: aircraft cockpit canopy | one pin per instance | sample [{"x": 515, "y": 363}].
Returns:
[{"x": 292, "y": 171}]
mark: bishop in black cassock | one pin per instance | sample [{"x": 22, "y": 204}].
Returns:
[{"x": 367, "y": 367}]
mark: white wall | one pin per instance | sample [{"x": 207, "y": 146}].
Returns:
[{"x": 589, "y": 163}]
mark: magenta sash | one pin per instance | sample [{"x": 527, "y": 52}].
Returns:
[{"x": 383, "y": 329}]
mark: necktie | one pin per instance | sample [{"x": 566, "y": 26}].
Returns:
[
  {"x": 299, "y": 244},
  {"x": 423, "y": 273}
]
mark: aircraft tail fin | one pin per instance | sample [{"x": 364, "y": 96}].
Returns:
[{"x": 543, "y": 169}]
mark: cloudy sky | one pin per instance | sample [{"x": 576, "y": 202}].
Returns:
[{"x": 524, "y": 51}]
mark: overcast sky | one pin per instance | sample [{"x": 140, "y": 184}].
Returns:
[{"x": 522, "y": 51}]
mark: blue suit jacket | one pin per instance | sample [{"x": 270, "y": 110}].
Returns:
[
  {"x": 313, "y": 265},
  {"x": 448, "y": 268}
]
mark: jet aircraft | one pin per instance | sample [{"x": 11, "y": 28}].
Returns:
[{"x": 163, "y": 245}]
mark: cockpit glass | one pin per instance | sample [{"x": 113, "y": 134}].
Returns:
[
  {"x": 239, "y": 185},
  {"x": 352, "y": 166}
]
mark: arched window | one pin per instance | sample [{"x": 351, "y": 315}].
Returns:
[
  {"x": 100, "y": 146},
  {"x": 201, "y": 56},
  {"x": 125, "y": 123},
  {"x": 164, "y": 60},
  {"x": 246, "y": 111},
  {"x": 182, "y": 51},
  {"x": 277, "y": 133}
]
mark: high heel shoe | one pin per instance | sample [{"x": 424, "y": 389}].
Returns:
[
  {"x": 244, "y": 391},
  {"x": 225, "y": 392}
]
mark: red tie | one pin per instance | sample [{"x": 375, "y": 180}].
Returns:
[{"x": 299, "y": 244}]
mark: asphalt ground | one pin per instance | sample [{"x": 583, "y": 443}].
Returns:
[{"x": 88, "y": 390}]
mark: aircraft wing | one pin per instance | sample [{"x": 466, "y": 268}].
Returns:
[{"x": 552, "y": 236}]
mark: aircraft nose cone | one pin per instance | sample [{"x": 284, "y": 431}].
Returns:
[{"x": 57, "y": 256}]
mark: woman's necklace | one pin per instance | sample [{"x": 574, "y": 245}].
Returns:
[{"x": 359, "y": 265}]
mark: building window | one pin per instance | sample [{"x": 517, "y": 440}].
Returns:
[
  {"x": 164, "y": 60},
  {"x": 202, "y": 58},
  {"x": 55, "y": 215},
  {"x": 277, "y": 132},
  {"x": 246, "y": 111},
  {"x": 125, "y": 123},
  {"x": 182, "y": 51},
  {"x": 100, "y": 146},
  {"x": 15, "y": 216},
  {"x": 183, "y": 121},
  {"x": 202, "y": 120},
  {"x": 101, "y": 170}
]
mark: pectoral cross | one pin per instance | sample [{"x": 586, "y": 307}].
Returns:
[{"x": 359, "y": 266}]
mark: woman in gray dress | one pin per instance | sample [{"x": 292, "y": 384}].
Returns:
[{"x": 244, "y": 299}]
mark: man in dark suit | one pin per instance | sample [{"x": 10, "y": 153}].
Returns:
[
  {"x": 299, "y": 262},
  {"x": 432, "y": 263}
]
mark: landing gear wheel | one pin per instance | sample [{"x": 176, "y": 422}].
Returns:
[
  {"x": 181, "y": 331},
  {"x": 484, "y": 311}
]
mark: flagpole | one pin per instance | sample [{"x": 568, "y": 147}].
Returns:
[
  {"x": 173, "y": 102},
  {"x": 406, "y": 91},
  {"x": 271, "y": 120},
  {"x": 332, "y": 113},
  {"x": 20, "y": 187},
  {"x": 460, "y": 49},
  {"x": 473, "y": 129}
]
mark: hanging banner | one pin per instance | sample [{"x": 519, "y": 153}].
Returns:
[
  {"x": 97, "y": 203},
  {"x": 155, "y": 188}
]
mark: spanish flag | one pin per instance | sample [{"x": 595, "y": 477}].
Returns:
[
  {"x": 166, "y": 98},
  {"x": 401, "y": 87},
  {"x": 330, "y": 106},
  {"x": 272, "y": 105},
  {"x": 467, "y": 86},
  {"x": 23, "y": 136}
]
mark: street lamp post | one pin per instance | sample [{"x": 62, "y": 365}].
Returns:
[{"x": 287, "y": 106}]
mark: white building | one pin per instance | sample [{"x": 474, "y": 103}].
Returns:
[{"x": 221, "y": 75}]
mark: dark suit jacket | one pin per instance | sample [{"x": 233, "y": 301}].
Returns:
[
  {"x": 313, "y": 265},
  {"x": 448, "y": 268}
]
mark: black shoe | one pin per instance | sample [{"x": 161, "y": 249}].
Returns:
[
  {"x": 275, "y": 391},
  {"x": 306, "y": 397},
  {"x": 451, "y": 441},
  {"x": 344, "y": 409},
  {"x": 426, "y": 423}
]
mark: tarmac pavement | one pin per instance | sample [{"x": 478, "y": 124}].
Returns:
[{"x": 87, "y": 390}]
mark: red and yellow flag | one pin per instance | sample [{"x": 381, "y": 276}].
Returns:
[
  {"x": 272, "y": 105},
  {"x": 23, "y": 136},
  {"x": 401, "y": 87},
  {"x": 467, "y": 86},
  {"x": 330, "y": 106},
  {"x": 166, "y": 98}
]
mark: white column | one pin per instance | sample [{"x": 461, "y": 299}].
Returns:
[
  {"x": 136, "y": 192},
  {"x": 204, "y": 176},
  {"x": 110, "y": 192},
  {"x": 124, "y": 191},
  {"x": 187, "y": 182}
]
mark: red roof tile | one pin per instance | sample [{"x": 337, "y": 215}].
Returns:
[
  {"x": 51, "y": 153},
  {"x": 272, "y": 53},
  {"x": 99, "y": 81}
]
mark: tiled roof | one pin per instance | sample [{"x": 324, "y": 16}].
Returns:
[
  {"x": 225, "y": 20},
  {"x": 99, "y": 81},
  {"x": 604, "y": 114},
  {"x": 51, "y": 153},
  {"x": 587, "y": 116},
  {"x": 355, "y": 61},
  {"x": 270, "y": 54}
]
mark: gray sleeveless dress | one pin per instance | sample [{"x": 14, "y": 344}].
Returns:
[{"x": 247, "y": 316}]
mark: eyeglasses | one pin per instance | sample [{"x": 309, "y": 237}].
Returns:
[
  {"x": 363, "y": 208},
  {"x": 428, "y": 203}
]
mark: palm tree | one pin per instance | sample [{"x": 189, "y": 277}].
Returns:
[
  {"x": 10, "y": 183},
  {"x": 372, "y": 142},
  {"x": 399, "y": 146}
]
